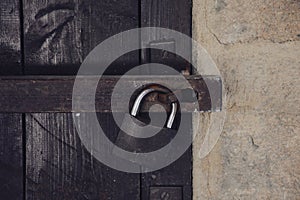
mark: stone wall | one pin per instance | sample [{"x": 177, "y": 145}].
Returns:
[{"x": 256, "y": 45}]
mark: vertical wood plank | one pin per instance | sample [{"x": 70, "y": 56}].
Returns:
[
  {"x": 59, "y": 166},
  {"x": 11, "y": 149},
  {"x": 178, "y": 174},
  {"x": 11, "y": 162},
  {"x": 10, "y": 51},
  {"x": 58, "y": 36},
  {"x": 174, "y": 15}
]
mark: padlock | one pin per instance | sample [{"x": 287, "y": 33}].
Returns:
[{"x": 138, "y": 137}]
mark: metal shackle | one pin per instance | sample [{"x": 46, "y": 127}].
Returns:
[{"x": 140, "y": 97}]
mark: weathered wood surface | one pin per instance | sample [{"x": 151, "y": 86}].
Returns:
[
  {"x": 58, "y": 36},
  {"x": 11, "y": 133},
  {"x": 59, "y": 166},
  {"x": 60, "y": 33},
  {"x": 175, "y": 15},
  {"x": 10, "y": 40},
  {"x": 54, "y": 94},
  {"x": 177, "y": 174},
  {"x": 11, "y": 156}
]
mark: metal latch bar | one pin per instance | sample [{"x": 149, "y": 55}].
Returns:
[{"x": 37, "y": 94}]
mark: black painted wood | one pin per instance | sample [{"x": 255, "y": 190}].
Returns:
[
  {"x": 177, "y": 174},
  {"x": 59, "y": 166},
  {"x": 11, "y": 149},
  {"x": 10, "y": 49},
  {"x": 175, "y": 15},
  {"x": 11, "y": 161},
  {"x": 58, "y": 36}
]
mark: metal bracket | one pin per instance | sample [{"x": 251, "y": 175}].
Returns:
[{"x": 166, "y": 193}]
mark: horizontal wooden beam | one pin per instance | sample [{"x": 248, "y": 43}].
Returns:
[{"x": 37, "y": 94}]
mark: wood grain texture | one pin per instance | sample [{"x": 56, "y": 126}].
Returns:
[
  {"x": 54, "y": 94},
  {"x": 59, "y": 34},
  {"x": 175, "y": 15},
  {"x": 177, "y": 174},
  {"x": 10, "y": 50},
  {"x": 59, "y": 166},
  {"x": 11, "y": 162},
  {"x": 11, "y": 149}
]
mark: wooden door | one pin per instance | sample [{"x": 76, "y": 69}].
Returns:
[{"x": 41, "y": 155}]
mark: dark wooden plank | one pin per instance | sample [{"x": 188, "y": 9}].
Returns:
[
  {"x": 60, "y": 33},
  {"x": 54, "y": 94},
  {"x": 59, "y": 166},
  {"x": 176, "y": 15},
  {"x": 177, "y": 174},
  {"x": 11, "y": 162},
  {"x": 58, "y": 36},
  {"x": 11, "y": 149},
  {"x": 10, "y": 48},
  {"x": 171, "y": 14}
]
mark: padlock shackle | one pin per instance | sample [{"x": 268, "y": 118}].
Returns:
[
  {"x": 172, "y": 115},
  {"x": 139, "y": 99}
]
